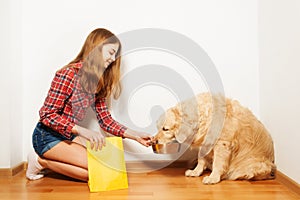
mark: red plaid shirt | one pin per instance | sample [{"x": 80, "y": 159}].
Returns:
[{"x": 66, "y": 104}]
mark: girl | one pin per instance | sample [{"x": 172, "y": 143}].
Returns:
[{"x": 89, "y": 80}]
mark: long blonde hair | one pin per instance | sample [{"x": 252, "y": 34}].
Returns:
[{"x": 93, "y": 76}]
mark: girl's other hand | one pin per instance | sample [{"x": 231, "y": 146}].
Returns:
[{"x": 96, "y": 139}]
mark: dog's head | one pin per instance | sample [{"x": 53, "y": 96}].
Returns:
[{"x": 170, "y": 127}]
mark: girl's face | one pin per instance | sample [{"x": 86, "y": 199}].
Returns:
[{"x": 109, "y": 53}]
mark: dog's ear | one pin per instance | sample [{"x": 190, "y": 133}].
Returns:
[{"x": 183, "y": 133}]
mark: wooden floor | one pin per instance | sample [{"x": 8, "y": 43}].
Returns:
[{"x": 168, "y": 183}]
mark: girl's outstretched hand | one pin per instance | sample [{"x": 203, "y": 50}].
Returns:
[{"x": 143, "y": 138}]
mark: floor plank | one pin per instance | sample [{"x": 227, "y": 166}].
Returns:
[{"x": 168, "y": 183}]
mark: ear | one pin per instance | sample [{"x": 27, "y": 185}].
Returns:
[{"x": 183, "y": 133}]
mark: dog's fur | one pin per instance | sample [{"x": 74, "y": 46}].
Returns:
[{"x": 244, "y": 149}]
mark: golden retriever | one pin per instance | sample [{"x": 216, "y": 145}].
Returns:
[{"x": 242, "y": 150}]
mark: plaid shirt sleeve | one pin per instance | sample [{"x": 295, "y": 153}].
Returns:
[
  {"x": 105, "y": 120},
  {"x": 51, "y": 112}
]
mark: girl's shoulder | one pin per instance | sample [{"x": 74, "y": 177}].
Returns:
[
  {"x": 69, "y": 70},
  {"x": 66, "y": 72},
  {"x": 76, "y": 66}
]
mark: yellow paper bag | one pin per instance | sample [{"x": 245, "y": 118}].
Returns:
[{"x": 106, "y": 168}]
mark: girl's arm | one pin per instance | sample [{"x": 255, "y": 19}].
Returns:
[{"x": 107, "y": 123}]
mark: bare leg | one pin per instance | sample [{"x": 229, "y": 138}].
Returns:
[
  {"x": 65, "y": 169},
  {"x": 67, "y": 158},
  {"x": 80, "y": 140}
]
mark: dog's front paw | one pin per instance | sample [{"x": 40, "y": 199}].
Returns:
[
  {"x": 211, "y": 179},
  {"x": 193, "y": 173}
]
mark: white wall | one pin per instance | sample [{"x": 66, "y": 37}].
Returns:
[
  {"x": 279, "y": 44},
  {"x": 54, "y": 31},
  {"x": 11, "y": 102},
  {"x": 5, "y": 113}
]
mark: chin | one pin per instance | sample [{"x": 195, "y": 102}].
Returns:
[{"x": 105, "y": 65}]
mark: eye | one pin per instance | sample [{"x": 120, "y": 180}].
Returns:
[
  {"x": 112, "y": 51},
  {"x": 165, "y": 129}
]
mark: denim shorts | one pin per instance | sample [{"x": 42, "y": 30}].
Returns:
[{"x": 44, "y": 138}]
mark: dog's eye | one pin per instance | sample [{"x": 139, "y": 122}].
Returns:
[{"x": 165, "y": 129}]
